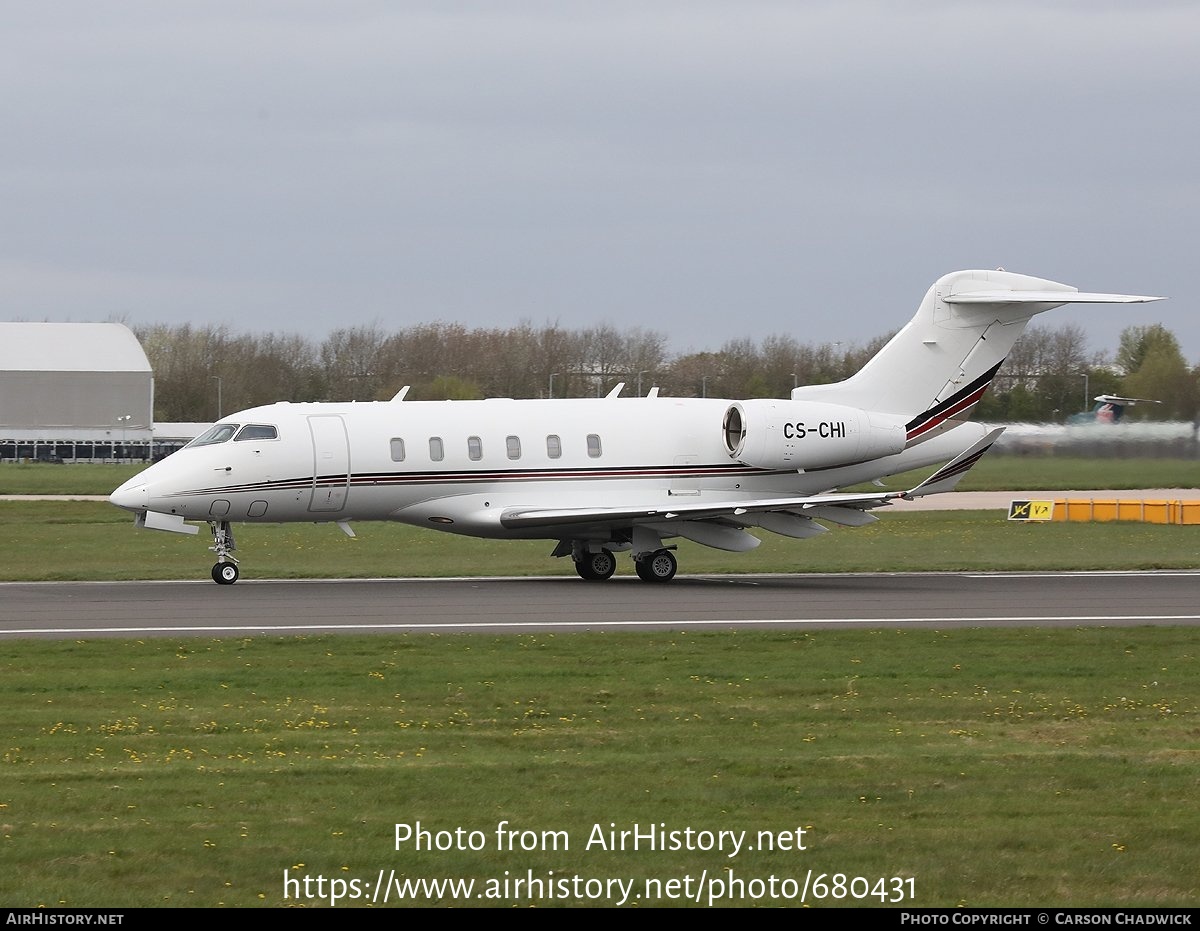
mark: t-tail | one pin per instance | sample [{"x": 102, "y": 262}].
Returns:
[
  {"x": 937, "y": 368},
  {"x": 1109, "y": 409}
]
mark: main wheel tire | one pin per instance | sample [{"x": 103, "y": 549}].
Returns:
[
  {"x": 603, "y": 565},
  {"x": 659, "y": 566},
  {"x": 596, "y": 567},
  {"x": 225, "y": 573}
]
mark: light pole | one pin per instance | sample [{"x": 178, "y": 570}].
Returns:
[
  {"x": 640, "y": 374},
  {"x": 552, "y": 376},
  {"x": 123, "y": 419},
  {"x": 1086, "y": 399},
  {"x": 704, "y": 386},
  {"x": 217, "y": 379}
]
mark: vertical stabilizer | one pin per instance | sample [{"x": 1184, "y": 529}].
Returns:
[{"x": 935, "y": 369}]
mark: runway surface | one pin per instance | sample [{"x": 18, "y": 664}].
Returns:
[{"x": 81, "y": 610}]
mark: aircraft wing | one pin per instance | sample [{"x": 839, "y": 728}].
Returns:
[{"x": 836, "y": 507}]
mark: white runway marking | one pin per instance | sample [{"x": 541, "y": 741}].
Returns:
[{"x": 584, "y": 625}]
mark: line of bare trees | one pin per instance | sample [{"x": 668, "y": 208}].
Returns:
[
  {"x": 1050, "y": 374},
  {"x": 202, "y": 372}
]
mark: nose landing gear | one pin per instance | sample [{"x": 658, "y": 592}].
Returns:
[{"x": 225, "y": 572}]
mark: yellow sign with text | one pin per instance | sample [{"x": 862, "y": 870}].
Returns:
[{"x": 1031, "y": 510}]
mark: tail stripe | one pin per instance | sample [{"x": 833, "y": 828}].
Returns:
[{"x": 955, "y": 404}]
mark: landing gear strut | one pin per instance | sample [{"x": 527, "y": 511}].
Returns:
[{"x": 225, "y": 572}]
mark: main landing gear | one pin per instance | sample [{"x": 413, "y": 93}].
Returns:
[
  {"x": 596, "y": 567},
  {"x": 225, "y": 572},
  {"x": 654, "y": 565},
  {"x": 659, "y": 566}
]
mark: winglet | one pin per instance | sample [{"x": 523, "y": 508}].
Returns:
[{"x": 949, "y": 475}]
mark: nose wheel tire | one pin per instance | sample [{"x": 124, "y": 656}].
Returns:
[
  {"x": 596, "y": 567},
  {"x": 225, "y": 573},
  {"x": 659, "y": 566}
]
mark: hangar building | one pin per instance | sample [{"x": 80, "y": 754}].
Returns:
[{"x": 74, "y": 391}]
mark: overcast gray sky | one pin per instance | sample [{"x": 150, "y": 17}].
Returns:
[{"x": 708, "y": 169}]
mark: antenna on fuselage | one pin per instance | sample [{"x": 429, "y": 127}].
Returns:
[
  {"x": 616, "y": 392},
  {"x": 400, "y": 395}
]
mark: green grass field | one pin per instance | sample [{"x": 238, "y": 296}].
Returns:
[
  {"x": 1062, "y": 473},
  {"x": 989, "y": 768},
  {"x": 40, "y": 478},
  {"x": 95, "y": 541},
  {"x": 1007, "y": 767}
]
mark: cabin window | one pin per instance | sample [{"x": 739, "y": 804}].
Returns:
[
  {"x": 257, "y": 431},
  {"x": 437, "y": 450},
  {"x": 213, "y": 435},
  {"x": 513, "y": 443},
  {"x": 593, "y": 443},
  {"x": 554, "y": 446},
  {"x": 397, "y": 449},
  {"x": 474, "y": 448}
]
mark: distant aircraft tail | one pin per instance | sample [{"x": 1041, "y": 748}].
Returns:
[
  {"x": 937, "y": 368},
  {"x": 1109, "y": 409}
]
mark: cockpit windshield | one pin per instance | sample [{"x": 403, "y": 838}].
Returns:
[
  {"x": 257, "y": 431},
  {"x": 220, "y": 433}
]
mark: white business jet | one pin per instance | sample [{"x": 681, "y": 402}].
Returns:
[{"x": 609, "y": 475}]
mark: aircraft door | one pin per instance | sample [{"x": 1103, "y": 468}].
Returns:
[{"x": 331, "y": 463}]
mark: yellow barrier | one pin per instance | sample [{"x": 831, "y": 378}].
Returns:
[{"x": 1109, "y": 509}]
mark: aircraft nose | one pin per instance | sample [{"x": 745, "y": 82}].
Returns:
[{"x": 132, "y": 496}]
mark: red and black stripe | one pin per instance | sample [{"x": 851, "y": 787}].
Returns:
[
  {"x": 956, "y": 404},
  {"x": 466, "y": 477}
]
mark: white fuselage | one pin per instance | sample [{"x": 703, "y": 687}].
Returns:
[{"x": 457, "y": 465}]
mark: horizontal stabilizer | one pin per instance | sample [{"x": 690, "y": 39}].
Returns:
[
  {"x": 1128, "y": 402},
  {"x": 1045, "y": 297}
]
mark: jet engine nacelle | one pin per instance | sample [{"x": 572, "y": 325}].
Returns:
[{"x": 770, "y": 434}]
